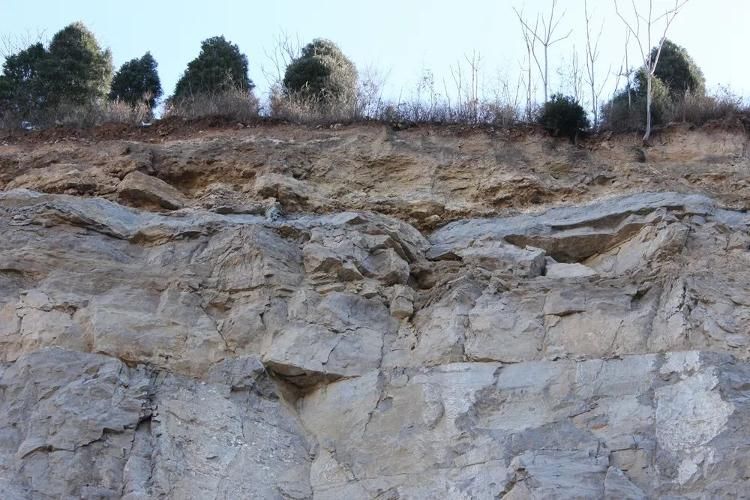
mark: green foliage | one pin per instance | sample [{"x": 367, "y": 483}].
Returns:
[
  {"x": 563, "y": 116},
  {"x": 220, "y": 66},
  {"x": 322, "y": 73},
  {"x": 23, "y": 86},
  {"x": 73, "y": 71},
  {"x": 676, "y": 81},
  {"x": 137, "y": 81},
  {"x": 620, "y": 115},
  {"x": 5, "y": 89},
  {"x": 77, "y": 70},
  {"x": 677, "y": 70}
]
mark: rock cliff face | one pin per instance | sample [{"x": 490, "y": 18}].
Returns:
[{"x": 287, "y": 327}]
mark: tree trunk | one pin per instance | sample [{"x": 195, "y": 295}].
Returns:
[
  {"x": 594, "y": 105},
  {"x": 546, "y": 65},
  {"x": 630, "y": 101},
  {"x": 648, "y": 107},
  {"x": 529, "y": 97}
]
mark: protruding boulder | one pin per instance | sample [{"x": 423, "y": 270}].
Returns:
[{"x": 139, "y": 189}]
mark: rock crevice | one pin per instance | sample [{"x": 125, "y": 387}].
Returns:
[{"x": 177, "y": 351}]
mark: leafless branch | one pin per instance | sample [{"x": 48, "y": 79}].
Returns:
[
  {"x": 12, "y": 44},
  {"x": 649, "y": 63},
  {"x": 284, "y": 51},
  {"x": 546, "y": 39}
]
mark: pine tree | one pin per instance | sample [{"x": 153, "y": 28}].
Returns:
[
  {"x": 219, "y": 66},
  {"x": 137, "y": 81},
  {"x": 76, "y": 69},
  {"x": 322, "y": 72}
]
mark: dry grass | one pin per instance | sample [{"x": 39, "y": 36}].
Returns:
[
  {"x": 471, "y": 113},
  {"x": 78, "y": 116},
  {"x": 239, "y": 105},
  {"x": 723, "y": 106},
  {"x": 99, "y": 114},
  {"x": 301, "y": 108},
  {"x": 699, "y": 109}
]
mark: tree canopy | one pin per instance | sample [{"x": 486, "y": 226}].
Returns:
[
  {"x": 219, "y": 66},
  {"x": 73, "y": 70},
  {"x": 322, "y": 72},
  {"x": 22, "y": 84},
  {"x": 77, "y": 70},
  {"x": 137, "y": 81},
  {"x": 677, "y": 70},
  {"x": 626, "y": 112},
  {"x": 676, "y": 73}
]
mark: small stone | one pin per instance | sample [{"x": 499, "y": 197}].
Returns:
[{"x": 402, "y": 302}]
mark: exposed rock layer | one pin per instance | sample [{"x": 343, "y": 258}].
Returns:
[
  {"x": 250, "y": 348},
  {"x": 425, "y": 176}
]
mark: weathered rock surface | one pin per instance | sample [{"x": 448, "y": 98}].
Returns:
[
  {"x": 81, "y": 425},
  {"x": 207, "y": 350},
  {"x": 145, "y": 189},
  {"x": 662, "y": 424},
  {"x": 426, "y": 176}
]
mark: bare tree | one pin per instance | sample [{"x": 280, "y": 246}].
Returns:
[
  {"x": 530, "y": 41},
  {"x": 473, "y": 91},
  {"x": 571, "y": 73},
  {"x": 284, "y": 51},
  {"x": 644, "y": 45},
  {"x": 626, "y": 71},
  {"x": 592, "y": 55},
  {"x": 467, "y": 92},
  {"x": 546, "y": 39},
  {"x": 506, "y": 98},
  {"x": 500, "y": 99},
  {"x": 457, "y": 76},
  {"x": 426, "y": 85},
  {"x": 449, "y": 109},
  {"x": 623, "y": 71},
  {"x": 370, "y": 87},
  {"x": 12, "y": 44}
]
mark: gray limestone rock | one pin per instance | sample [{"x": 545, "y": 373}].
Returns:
[{"x": 593, "y": 351}]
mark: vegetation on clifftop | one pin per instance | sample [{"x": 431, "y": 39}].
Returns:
[{"x": 70, "y": 82}]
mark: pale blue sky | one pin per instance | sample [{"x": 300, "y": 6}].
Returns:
[{"x": 398, "y": 37}]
